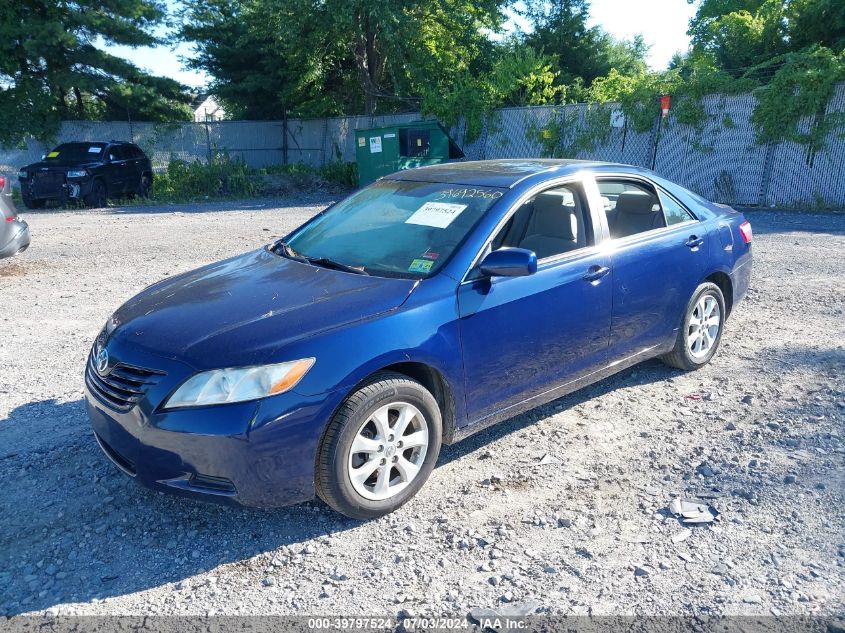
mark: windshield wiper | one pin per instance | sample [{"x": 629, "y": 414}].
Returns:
[
  {"x": 283, "y": 248},
  {"x": 325, "y": 262}
]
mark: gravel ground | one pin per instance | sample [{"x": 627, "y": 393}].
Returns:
[{"x": 562, "y": 510}]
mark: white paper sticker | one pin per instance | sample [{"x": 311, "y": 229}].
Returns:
[
  {"x": 94, "y": 149},
  {"x": 436, "y": 214},
  {"x": 390, "y": 135},
  {"x": 375, "y": 144}
]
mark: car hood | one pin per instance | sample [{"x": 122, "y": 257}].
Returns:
[{"x": 239, "y": 311}]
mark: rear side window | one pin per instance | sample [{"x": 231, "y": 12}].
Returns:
[{"x": 634, "y": 207}]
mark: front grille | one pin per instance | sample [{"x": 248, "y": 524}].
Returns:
[
  {"x": 123, "y": 386},
  {"x": 47, "y": 183}
]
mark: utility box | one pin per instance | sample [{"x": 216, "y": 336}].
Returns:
[{"x": 384, "y": 150}]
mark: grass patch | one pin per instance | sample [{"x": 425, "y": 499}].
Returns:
[{"x": 224, "y": 177}]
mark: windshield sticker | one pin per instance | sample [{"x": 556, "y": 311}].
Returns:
[
  {"x": 430, "y": 255},
  {"x": 375, "y": 144},
  {"x": 436, "y": 214},
  {"x": 420, "y": 266},
  {"x": 94, "y": 149},
  {"x": 463, "y": 192},
  {"x": 52, "y": 155}
]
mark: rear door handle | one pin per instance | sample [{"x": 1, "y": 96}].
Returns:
[
  {"x": 694, "y": 241},
  {"x": 594, "y": 273}
]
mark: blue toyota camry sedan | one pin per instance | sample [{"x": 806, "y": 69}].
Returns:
[{"x": 417, "y": 311}]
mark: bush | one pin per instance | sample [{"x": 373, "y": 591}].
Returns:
[
  {"x": 340, "y": 173},
  {"x": 222, "y": 177}
]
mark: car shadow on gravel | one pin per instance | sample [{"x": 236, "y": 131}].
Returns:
[
  {"x": 75, "y": 529},
  {"x": 644, "y": 373}
]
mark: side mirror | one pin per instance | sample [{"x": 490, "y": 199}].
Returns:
[{"x": 509, "y": 262}]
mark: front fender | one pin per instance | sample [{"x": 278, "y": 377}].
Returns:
[{"x": 426, "y": 332}]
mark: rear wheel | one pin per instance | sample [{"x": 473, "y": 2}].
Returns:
[
  {"x": 379, "y": 448},
  {"x": 97, "y": 197},
  {"x": 701, "y": 330}
]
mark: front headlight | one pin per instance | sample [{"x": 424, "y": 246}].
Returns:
[
  {"x": 237, "y": 384},
  {"x": 77, "y": 173},
  {"x": 22, "y": 175}
]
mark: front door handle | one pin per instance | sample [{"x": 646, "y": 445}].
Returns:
[
  {"x": 694, "y": 241},
  {"x": 594, "y": 273}
]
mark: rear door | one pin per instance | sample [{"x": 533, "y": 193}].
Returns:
[
  {"x": 135, "y": 162},
  {"x": 523, "y": 336},
  {"x": 116, "y": 170},
  {"x": 658, "y": 250}
]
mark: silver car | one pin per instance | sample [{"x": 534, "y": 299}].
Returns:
[{"x": 14, "y": 232}]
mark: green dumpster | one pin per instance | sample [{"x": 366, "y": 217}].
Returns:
[{"x": 384, "y": 150}]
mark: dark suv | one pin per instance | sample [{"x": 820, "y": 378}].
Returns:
[{"x": 90, "y": 172}]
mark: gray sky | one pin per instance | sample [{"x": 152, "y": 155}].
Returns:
[{"x": 663, "y": 24}]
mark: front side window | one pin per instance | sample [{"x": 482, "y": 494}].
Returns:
[
  {"x": 396, "y": 228},
  {"x": 551, "y": 223}
]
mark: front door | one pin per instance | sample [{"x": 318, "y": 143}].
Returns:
[{"x": 523, "y": 336}]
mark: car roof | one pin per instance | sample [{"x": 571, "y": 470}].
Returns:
[{"x": 504, "y": 173}]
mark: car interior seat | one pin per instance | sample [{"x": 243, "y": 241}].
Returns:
[
  {"x": 554, "y": 226},
  {"x": 636, "y": 212}
]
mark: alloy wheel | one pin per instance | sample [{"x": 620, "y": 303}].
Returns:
[
  {"x": 703, "y": 326},
  {"x": 388, "y": 451}
]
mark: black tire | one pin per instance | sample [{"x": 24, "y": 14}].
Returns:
[
  {"x": 33, "y": 203},
  {"x": 98, "y": 195},
  {"x": 333, "y": 482},
  {"x": 145, "y": 186},
  {"x": 681, "y": 355}
]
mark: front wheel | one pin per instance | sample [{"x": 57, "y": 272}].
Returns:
[
  {"x": 701, "y": 330},
  {"x": 97, "y": 197},
  {"x": 33, "y": 203},
  {"x": 379, "y": 448}
]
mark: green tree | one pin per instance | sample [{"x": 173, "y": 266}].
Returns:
[
  {"x": 559, "y": 29},
  {"x": 50, "y": 69},
  {"x": 740, "y": 34},
  {"x": 319, "y": 57}
]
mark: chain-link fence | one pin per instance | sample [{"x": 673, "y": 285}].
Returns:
[{"x": 719, "y": 159}]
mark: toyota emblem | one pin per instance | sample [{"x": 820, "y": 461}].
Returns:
[{"x": 101, "y": 361}]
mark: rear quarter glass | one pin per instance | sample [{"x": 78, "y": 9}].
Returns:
[{"x": 397, "y": 228}]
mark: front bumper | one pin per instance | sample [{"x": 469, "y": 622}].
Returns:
[
  {"x": 19, "y": 240},
  {"x": 68, "y": 189},
  {"x": 259, "y": 453}
]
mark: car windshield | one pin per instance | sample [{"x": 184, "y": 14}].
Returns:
[
  {"x": 75, "y": 152},
  {"x": 395, "y": 228}
]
